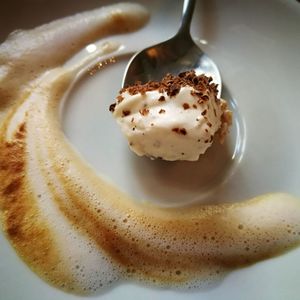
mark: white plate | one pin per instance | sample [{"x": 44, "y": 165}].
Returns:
[{"x": 256, "y": 45}]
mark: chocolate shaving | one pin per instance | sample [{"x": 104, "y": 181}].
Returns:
[
  {"x": 173, "y": 90},
  {"x": 185, "y": 105},
  {"x": 144, "y": 111},
  {"x": 120, "y": 99},
  {"x": 125, "y": 113},
  {"x": 205, "y": 98},
  {"x": 171, "y": 84},
  {"x": 112, "y": 107},
  {"x": 179, "y": 130},
  {"x": 183, "y": 131}
]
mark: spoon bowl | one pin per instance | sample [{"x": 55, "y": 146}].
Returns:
[{"x": 178, "y": 54}]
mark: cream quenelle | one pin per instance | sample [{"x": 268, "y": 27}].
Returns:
[{"x": 175, "y": 119}]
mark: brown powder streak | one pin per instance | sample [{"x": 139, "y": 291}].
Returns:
[
  {"x": 121, "y": 244},
  {"x": 100, "y": 229},
  {"x": 123, "y": 250},
  {"x": 20, "y": 217},
  {"x": 116, "y": 243}
]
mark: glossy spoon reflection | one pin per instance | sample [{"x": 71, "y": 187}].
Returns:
[{"x": 178, "y": 54}]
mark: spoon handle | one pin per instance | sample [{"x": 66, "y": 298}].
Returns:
[{"x": 187, "y": 15}]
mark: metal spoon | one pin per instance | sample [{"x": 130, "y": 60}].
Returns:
[{"x": 178, "y": 54}]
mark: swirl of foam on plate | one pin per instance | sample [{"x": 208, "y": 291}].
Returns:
[{"x": 81, "y": 234}]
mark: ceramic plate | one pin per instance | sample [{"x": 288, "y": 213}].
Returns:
[{"x": 256, "y": 46}]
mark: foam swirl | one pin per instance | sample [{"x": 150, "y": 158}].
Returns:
[{"x": 80, "y": 233}]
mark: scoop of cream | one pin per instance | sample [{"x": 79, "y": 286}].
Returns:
[{"x": 175, "y": 119}]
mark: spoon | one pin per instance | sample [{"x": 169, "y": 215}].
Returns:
[{"x": 178, "y": 54}]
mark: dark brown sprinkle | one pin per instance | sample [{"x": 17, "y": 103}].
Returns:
[
  {"x": 209, "y": 124},
  {"x": 112, "y": 107},
  {"x": 173, "y": 90},
  {"x": 195, "y": 80},
  {"x": 206, "y": 141},
  {"x": 152, "y": 124},
  {"x": 132, "y": 120},
  {"x": 161, "y": 99},
  {"x": 176, "y": 129},
  {"x": 205, "y": 97},
  {"x": 183, "y": 131},
  {"x": 211, "y": 138},
  {"x": 144, "y": 111},
  {"x": 171, "y": 85},
  {"x": 126, "y": 113},
  {"x": 206, "y": 130},
  {"x": 195, "y": 106},
  {"x": 185, "y": 105},
  {"x": 204, "y": 112},
  {"x": 214, "y": 87},
  {"x": 120, "y": 98},
  {"x": 199, "y": 140},
  {"x": 22, "y": 128},
  {"x": 182, "y": 153},
  {"x": 162, "y": 111},
  {"x": 180, "y": 130},
  {"x": 133, "y": 128},
  {"x": 197, "y": 94},
  {"x": 215, "y": 112}
]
